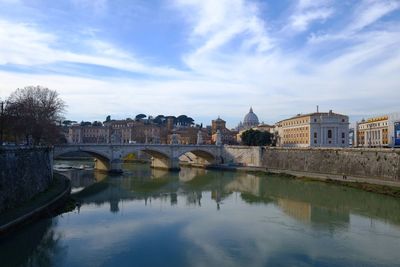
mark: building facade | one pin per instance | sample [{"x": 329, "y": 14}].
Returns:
[
  {"x": 250, "y": 120},
  {"x": 227, "y": 136},
  {"x": 144, "y": 132},
  {"x": 379, "y": 131},
  {"x": 319, "y": 129}
]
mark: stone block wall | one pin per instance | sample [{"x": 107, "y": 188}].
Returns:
[
  {"x": 244, "y": 155},
  {"x": 24, "y": 172},
  {"x": 369, "y": 163}
]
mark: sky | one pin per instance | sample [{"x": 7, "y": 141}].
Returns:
[{"x": 205, "y": 58}]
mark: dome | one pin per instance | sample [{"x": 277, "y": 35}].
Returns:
[{"x": 250, "y": 120}]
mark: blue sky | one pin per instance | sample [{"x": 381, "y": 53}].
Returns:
[{"x": 205, "y": 58}]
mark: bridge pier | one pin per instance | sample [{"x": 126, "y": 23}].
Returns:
[
  {"x": 111, "y": 166},
  {"x": 116, "y": 166},
  {"x": 165, "y": 163}
]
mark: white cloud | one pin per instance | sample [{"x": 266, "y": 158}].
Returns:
[
  {"x": 308, "y": 11},
  {"x": 24, "y": 44},
  {"x": 301, "y": 21},
  {"x": 237, "y": 58},
  {"x": 217, "y": 23},
  {"x": 370, "y": 11}
]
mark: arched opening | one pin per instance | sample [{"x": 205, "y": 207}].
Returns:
[
  {"x": 100, "y": 162},
  {"x": 161, "y": 160},
  {"x": 197, "y": 158},
  {"x": 136, "y": 157}
]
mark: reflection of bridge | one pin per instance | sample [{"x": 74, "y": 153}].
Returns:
[{"x": 110, "y": 156}]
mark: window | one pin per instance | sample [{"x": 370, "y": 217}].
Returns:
[
  {"x": 329, "y": 134},
  {"x": 315, "y": 134},
  {"x": 343, "y": 135}
]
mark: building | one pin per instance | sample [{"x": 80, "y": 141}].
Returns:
[
  {"x": 138, "y": 131},
  {"x": 250, "y": 120},
  {"x": 319, "y": 129},
  {"x": 87, "y": 134},
  {"x": 379, "y": 131},
  {"x": 227, "y": 136}
]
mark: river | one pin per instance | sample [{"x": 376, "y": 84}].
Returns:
[{"x": 198, "y": 217}]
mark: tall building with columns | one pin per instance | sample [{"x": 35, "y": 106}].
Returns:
[
  {"x": 379, "y": 131},
  {"x": 319, "y": 129}
]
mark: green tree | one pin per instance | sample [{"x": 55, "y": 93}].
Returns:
[
  {"x": 160, "y": 119},
  {"x": 85, "y": 123},
  {"x": 185, "y": 120},
  {"x": 140, "y": 117},
  {"x": 256, "y": 138}
]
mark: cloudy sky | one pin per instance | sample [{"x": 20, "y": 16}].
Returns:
[{"x": 205, "y": 58}]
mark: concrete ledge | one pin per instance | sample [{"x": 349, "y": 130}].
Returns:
[
  {"x": 37, "y": 212},
  {"x": 324, "y": 176},
  {"x": 317, "y": 176}
]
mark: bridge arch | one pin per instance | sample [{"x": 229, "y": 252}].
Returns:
[
  {"x": 201, "y": 157},
  {"x": 102, "y": 161}
]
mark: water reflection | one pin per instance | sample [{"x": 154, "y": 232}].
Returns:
[
  {"x": 197, "y": 217},
  {"x": 305, "y": 201},
  {"x": 33, "y": 246}
]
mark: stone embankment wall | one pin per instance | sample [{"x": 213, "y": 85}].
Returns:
[
  {"x": 24, "y": 172},
  {"x": 367, "y": 163},
  {"x": 244, "y": 155}
]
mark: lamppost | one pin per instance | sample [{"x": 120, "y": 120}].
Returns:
[{"x": 1, "y": 122}]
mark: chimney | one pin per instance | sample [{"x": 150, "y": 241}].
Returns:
[{"x": 317, "y": 108}]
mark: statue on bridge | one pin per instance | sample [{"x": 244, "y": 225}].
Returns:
[{"x": 199, "y": 138}]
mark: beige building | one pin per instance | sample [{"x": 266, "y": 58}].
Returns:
[
  {"x": 132, "y": 131},
  {"x": 377, "y": 131},
  {"x": 87, "y": 134},
  {"x": 319, "y": 129}
]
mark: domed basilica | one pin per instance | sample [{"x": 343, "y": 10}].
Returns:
[{"x": 249, "y": 121}]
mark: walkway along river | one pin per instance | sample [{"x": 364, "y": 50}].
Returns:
[{"x": 197, "y": 217}]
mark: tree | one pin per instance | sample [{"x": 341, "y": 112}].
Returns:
[
  {"x": 185, "y": 120},
  {"x": 256, "y": 138},
  {"x": 160, "y": 119},
  {"x": 140, "y": 117},
  {"x": 97, "y": 123},
  {"x": 34, "y": 113},
  {"x": 67, "y": 122},
  {"x": 85, "y": 123}
]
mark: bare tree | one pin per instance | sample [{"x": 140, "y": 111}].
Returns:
[{"x": 35, "y": 112}]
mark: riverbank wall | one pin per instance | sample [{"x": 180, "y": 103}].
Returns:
[
  {"x": 369, "y": 163},
  {"x": 24, "y": 172}
]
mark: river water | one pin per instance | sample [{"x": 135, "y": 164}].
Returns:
[{"x": 199, "y": 217}]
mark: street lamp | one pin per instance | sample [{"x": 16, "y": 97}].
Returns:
[{"x": 2, "y": 104}]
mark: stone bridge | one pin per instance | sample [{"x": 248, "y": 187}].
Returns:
[{"x": 110, "y": 156}]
